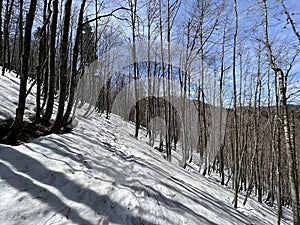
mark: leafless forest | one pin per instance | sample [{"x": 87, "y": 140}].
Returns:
[{"x": 216, "y": 81}]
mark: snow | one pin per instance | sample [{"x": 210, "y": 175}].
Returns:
[{"x": 101, "y": 174}]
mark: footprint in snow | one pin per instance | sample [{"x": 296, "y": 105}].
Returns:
[{"x": 84, "y": 162}]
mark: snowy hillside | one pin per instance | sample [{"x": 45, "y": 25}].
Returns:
[{"x": 101, "y": 174}]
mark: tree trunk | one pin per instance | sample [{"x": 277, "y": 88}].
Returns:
[
  {"x": 52, "y": 70},
  {"x": 74, "y": 72},
  {"x": 5, "y": 55},
  {"x": 292, "y": 165},
  {"x": 63, "y": 72},
  {"x": 18, "y": 123},
  {"x": 41, "y": 61},
  {"x": 235, "y": 117},
  {"x": 133, "y": 17},
  {"x": 1, "y": 39},
  {"x": 21, "y": 2},
  {"x": 290, "y": 151}
]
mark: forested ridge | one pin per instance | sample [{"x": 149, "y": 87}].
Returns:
[{"x": 216, "y": 81}]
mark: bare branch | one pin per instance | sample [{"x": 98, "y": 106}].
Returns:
[
  {"x": 106, "y": 15},
  {"x": 290, "y": 20},
  {"x": 293, "y": 94}
]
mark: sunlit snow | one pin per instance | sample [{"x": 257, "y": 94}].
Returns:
[{"x": 101, "y": 174}]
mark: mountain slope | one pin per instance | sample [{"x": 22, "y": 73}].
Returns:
[{"x": 101, "y": 174}]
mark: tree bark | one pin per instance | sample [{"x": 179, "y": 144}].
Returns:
[
  {"x": 41, "y": 62},
  {"x": 74, "y": 72},
  {"x": 292, "y": 165},
  {"x": 1, "y": 37},
  {"x": 5, "y": 48},
  {"x": 52, "y": 70},
  {"x": 18, "y": 123},
  {"x": 63, "y": 69},
  {"x": 235, "y": 117}
]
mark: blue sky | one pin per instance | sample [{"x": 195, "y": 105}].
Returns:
[{"x": 250, "y": 27}]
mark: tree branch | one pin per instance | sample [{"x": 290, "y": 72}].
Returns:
[
  {"x": 290, "y": 20},
  {"x": 293, "y": 94},
  {"x": 106, "y": 15}
]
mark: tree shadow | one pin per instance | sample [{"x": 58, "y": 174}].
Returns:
[
  {"x": 61, "y": 149},
  {"x": 209, "y": 202},
  {"x": 169, "y": 203},
  {"x": 103, "y": 205},
  {"x": 199, "y": 197},
  {"x": 22, "y": 184},
  {"x": 100, "y": 204}
]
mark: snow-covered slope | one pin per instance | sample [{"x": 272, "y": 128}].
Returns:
[{"x": 101, "y": 174}]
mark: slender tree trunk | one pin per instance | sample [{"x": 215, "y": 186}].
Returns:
[
  {"x": 257, "y": 99},
  {"x": 63, "y": 69},
  {"x": 202, "y": 110},
  {"x": 41, "y": 62},
  {"x": 108, "y": 94},
  {"x": 235, "y": 117},
  {"x": 168, "y": 105},
  {"x": 5, "y": 55},
  {"x": 292, "y": 164},
  {"x": 277, "y": 154},
  {"x": 290, "y": 151},
  {"x": 52, "y": 70},
  {"x": 20, "y": 30},
  {"x": 1, "y": 37},
  {"x": 74, "y": 73},
  {"x": 162, "y": 67},
  {"x": 133, "y": 21},
  {"x": 150, "y": 99},
  {"x": 13, "y": 64},
  {"x": 18, "y": 123},
  {"x": 221, "y": 144},
  {"x": 271, "y": 121},
  {"x": 295, "y": 157}
]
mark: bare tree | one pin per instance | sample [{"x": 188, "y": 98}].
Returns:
[
  {"x": 75, "y": 76},
  {"x": 17, "y": 127},
  {"x": 282, "y": 82},
  {"x": 151, "y": 19},
  {"x": 63, "y": 73},
  {"x": 52, "y": 64},
  {"x": 172, "y": 9},
  {"x": 235, "y": 117},
  {"x": 42, "y": 60},
  {"x": 133, "y": 22},
  {"x": 5, "y": 48}
]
